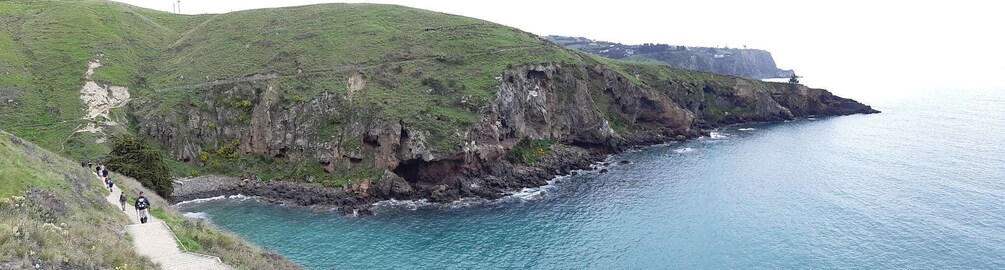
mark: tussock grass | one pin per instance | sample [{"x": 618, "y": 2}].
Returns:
[{"x": 52, "y": 214}]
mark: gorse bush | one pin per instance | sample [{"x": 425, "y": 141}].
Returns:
[{"x": 138, "y": 159}]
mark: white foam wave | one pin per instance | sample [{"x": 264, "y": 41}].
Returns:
[
  {"x": 465, "y": 202},
  {"x": 202, "y": 200},
  {"x": 239, "y": 197},
  {"x": 406, "y": 204},
  {"x": 528, "y": 194},
  {"x": 537, "y": 193},
  {"x": 715, "y": 135},
  {"x": 684, "y": 150},
  {"x": 746, "y": 129},
  {"x": 196, "y": 215}
]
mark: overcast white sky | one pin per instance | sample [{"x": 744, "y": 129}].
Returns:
[{"x": 859, "y": 46}]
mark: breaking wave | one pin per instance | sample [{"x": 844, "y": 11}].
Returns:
[
  {"x": 196, "y": 215},
  {"x": 684, "y": 150},
  {"x": 239, "y": 197}
]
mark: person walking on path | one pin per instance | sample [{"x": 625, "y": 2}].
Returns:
[
  {"x": 104, "y": 171},
  {"x": 122, "y": 200},
  {"x": 142, "y": 207},
  {"x": 110, "y": 183}
]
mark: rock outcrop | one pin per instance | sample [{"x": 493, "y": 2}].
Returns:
[{"x": 586, "y": 112}]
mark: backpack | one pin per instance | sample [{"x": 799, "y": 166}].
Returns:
[
  {"x": 142, "y": 203},
  {"x": 122, "y": 197}
]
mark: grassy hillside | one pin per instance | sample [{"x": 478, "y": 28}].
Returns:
[
  {"x": 429, "y": 71},
  {"x": 52, "y": 214},
  {"x": 46, "y": 46},
  {"x": 405, "y": 52}
]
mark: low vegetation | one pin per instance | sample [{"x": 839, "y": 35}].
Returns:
[
  {"x": 53, "y": 215},
  {"x": 529, "y": 151}
]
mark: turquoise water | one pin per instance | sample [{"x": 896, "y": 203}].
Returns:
[{"x": 921, "y": 186}]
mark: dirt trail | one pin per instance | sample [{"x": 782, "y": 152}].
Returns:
[{"x": 155, "y": 240}]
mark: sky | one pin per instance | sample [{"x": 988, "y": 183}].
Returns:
[{"x": 861, "y": 47}]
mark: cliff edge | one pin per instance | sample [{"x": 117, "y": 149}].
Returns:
[
  {"x": 349, "y": 104},
  {"x": 748, "y": 63}
]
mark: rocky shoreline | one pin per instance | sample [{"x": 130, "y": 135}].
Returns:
[
  {"x": 546, "y": 110},
  {"x": 562, "y": 160},
  {"x": 505, "y": 178}
]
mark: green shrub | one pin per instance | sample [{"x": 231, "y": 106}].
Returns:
[
  {"x": 139, "y": 159},
  {"x": 528, "y": 151}
]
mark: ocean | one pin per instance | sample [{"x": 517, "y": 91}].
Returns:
[{"x": 919, "y": 186}]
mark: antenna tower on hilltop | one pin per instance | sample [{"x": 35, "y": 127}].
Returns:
[{"x": 176, "y": 6}]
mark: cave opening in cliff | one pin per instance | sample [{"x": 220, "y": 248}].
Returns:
[
  {"x": 438, "y": 171},
  {"x": 353, "y": 160},
  {"x": 536, "y": 75},
  {"x": 371, "y": 143}
]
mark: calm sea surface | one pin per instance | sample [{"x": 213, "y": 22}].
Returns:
[{"x": 920, "y": 186}]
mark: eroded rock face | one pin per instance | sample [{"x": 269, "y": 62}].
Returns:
[
  {"x": 587, "y": 111},
  {"x": 100, "y": 99}
]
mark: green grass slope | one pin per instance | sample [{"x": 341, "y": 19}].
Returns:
[
  {"x": 53, "y": 215},
  {"x": 44, "y": 50},
  {"x": 47, "y": 45},
  {"x": 431, "y": 71}
]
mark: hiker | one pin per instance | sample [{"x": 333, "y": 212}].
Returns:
[
  {"x": 122, "y": 200},
  {"x": 110, "y": 183},
  {"x": 104, "y": 171},
  {"x": 97, "y": 170},
  {"x": 142, "y": 204},
  {"x": 83, "y": 164}
]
